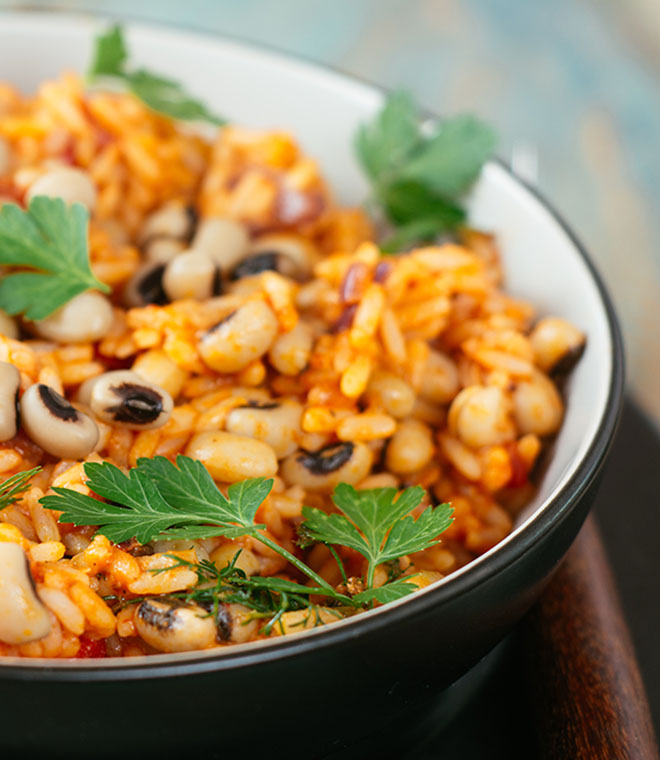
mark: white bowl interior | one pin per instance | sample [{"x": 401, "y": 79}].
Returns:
[{"x": 323, "y": 109}]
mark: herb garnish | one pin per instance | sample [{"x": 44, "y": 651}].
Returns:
[
  {"x": 378, "y": 524},
  {"x": 159, "y": 93},
  {"x": 14, "y": 486},
  {"x": 418, "y": 175},
  {"x": 268, "y": 598},
  {"x": 161, "y": 500},
  {"x": 50, "y": 237}
]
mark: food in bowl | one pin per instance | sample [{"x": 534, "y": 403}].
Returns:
[{"x": 236, "y": 410}]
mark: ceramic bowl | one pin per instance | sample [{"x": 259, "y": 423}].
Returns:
[{"x": 324, "y": 689}]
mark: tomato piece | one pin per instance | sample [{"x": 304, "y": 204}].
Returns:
[
  {"x": 91, "y": 648},
  {"x": 518, "y": 470}
]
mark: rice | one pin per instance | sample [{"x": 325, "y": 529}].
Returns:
[{"x": 436, "y": 321}]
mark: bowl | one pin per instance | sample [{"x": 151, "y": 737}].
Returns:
[{"x": 325, "y": 689}]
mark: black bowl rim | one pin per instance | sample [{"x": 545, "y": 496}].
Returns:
[{"x": 554, "y": 512}]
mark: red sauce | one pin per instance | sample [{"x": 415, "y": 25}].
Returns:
[{"x": 91, "y": 648}]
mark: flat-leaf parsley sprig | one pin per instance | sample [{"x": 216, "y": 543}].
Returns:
[
  {"x": 109, "y": 62},
  {"x": 49, "y": 237},
  {"x": 162, "y": 500},
  {"x": 377, "y": 523},
  {"x": 420, "y": 172}
]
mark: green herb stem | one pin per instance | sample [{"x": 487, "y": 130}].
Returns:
[{"x": 303, "y": 568}]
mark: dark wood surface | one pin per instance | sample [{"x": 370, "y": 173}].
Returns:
[
  {"x": 531, "y": 709},
  {"x": 588, "y": 699}
]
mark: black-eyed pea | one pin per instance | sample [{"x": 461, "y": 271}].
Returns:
[
  {"x": 169, "y": 624},
  {"x": 163, "y": 250},
  {"x": 23, "y": 616},
  {"x": 70, "y": 184},
  {"x": 410, "y": 448},
  {"x": 191, "y": 274},
  {"x": 482, "y": 416},
  {"x": 322, "y": 470},
  {"x": 294, "y": 256},
  {"x": 224, "y": 240},
  {"x": 538, "y": 407},
  {"x": 174, "y": 221},
  {"x": 230, "y": 458},
  {"x": 232, "y": 552},
  {"x": 440, "y": 380},
  {"x": 392, "y": 393},
  {"x": 10, "y": 381},
  {"x": 86, "y": 317},
  {"x": 240, "y": 338},
  {"x": 423, "y": 578},
  {"x": 122, "y": 397},
  {"x": 290, "y": 351},
  {"x": 55, "y": 425},
  {"x": 156, "y": 367},
  {"x": 146, "y": 286},
  {"x": 305, "y": 620},
  {"x": 557, "y": 344},
  {"x": 236, "y": 623},
  {"x": 275, "y": 422},
  {"x": 179, "y": 545}
]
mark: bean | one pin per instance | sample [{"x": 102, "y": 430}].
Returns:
[
  {"x": 538, "y": 406},
  {"x": 481, "y": 416},
  {"x": 392, "y": 393},
  {"x": 55, "y": 425},
  {"x": 10, "y": 381},
  {"x": 86, "y": 317},
  {"x": 23, "y": 617},
  {"x": 410, "y": 448},
  {"x": 172, "y": 221},
  {"x": 146, "y": 286},
  {"x": 123, "y": 397},
  {"x": 191, "y": 274},
  {"x": 290, "y": 351},
  {"x": 557, "y": 344},
  {"x": 305, "y": 620},
  {"x": 230, "y": 457},
  {"x": 321, "y": 470},
  {"x": 156, "y": 367},
  {"x": 69, "y": 184},
  {"x": 440, "y": 381},
  {"x": 224, "y": 240},
  {"x": 240, "y": 338},
  {"x": 225, "y": 554},
  {"x": 295, "y": 257},
  {"x": 173, "y": 625},
  {"x": 236, "y": 623},
  {"x": 163, "y": 250},
  {"x": 276, "y": 423}
]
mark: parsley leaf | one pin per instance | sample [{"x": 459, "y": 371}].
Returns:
[
  {"x": 110, "y": 54},
  {"x": 160, "y": 500},
  {"x": 50, "y": 237},
  {"x": 159, "y": 93},
  {"x": 386, "y": 142},
  {"x": 11, "y": 488},
  {"x": 390, "y": 592},
  {"x": 419, "y": 175},
  {"x": 377, "y": 524}
]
